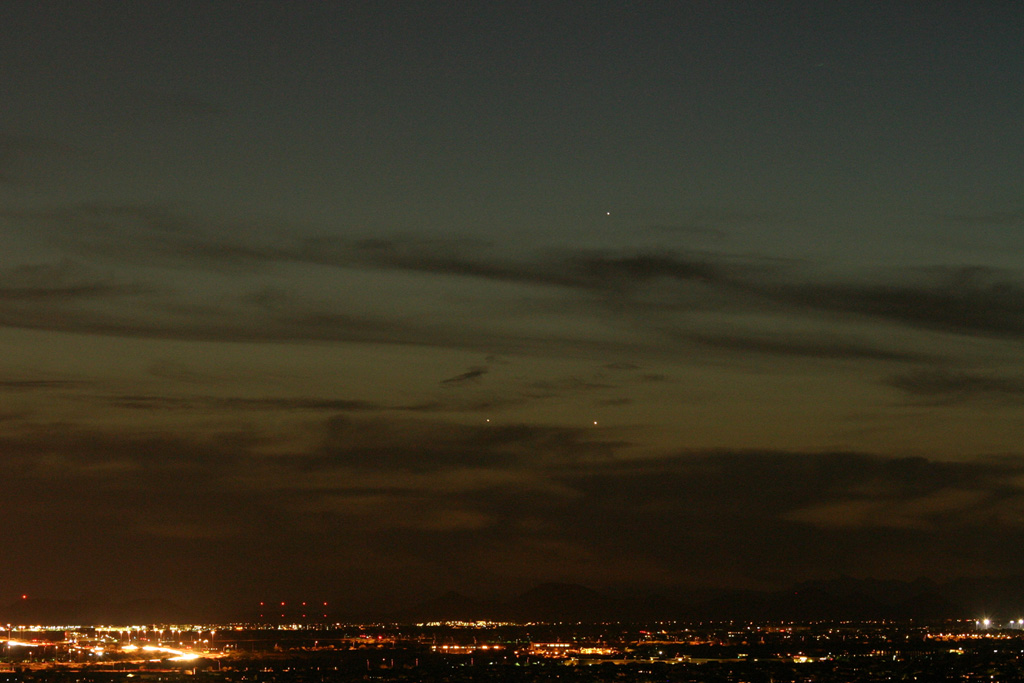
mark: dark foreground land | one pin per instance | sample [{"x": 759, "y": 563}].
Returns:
[
  {"x": 984, "y": 668},
  {"x": 452, "y": 653}
]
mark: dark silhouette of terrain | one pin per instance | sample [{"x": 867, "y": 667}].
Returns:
[{"x": 844, "y": 598}]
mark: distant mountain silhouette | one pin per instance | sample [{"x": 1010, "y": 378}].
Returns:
[
  {"x": 841, "y": 599},
  {"x": 546, "y": 602},
  {"x": 77, "y": 612},
  {"x": 451, "y": 606},
  {"x": 44, "y": 611},
  {"x": 994, "y": 596},
  {"x": 560, "y": 602},
  {"x": 929, "y": 606},
  {"x": 844, "y": 598}
]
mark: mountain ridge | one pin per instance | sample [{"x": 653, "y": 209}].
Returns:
[
  {"x": 843, "y": 598},
  {"x": 838, "y": 599}
]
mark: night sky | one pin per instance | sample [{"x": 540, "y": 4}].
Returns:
[{"x": 367, "y": 301}]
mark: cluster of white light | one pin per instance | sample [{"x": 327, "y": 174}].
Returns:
[
  {"x": 22, "y": 643},
  {"x": 986, "y": 623},
  {"x": 179, "y": 655}
]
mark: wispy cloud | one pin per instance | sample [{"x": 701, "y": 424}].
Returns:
[
  {"x": 801, "y": 345},
  {"x": 969, "y": 300},
  {"x": 468, "y": 376},
  {"x": 60, "y": 282},
  {"x": 946, "y": 386},
  {"x": 39, "y": 384},
  {"x": 472, "y": 489},
  {"x": 640, "y": 299},
  {"x": 152, "y": 402}
]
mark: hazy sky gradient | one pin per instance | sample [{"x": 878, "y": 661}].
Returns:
[{"x": 383, "y": 299}]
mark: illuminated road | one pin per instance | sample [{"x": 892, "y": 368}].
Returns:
[{"x": 176, "y": 655}]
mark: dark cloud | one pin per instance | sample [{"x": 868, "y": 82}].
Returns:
[
  {"x": 59, "y": 282},
  {"x": 468, "y": 376},
  {"x": 773, "y": 516},
  {"x": 180, "y": 372},
  {"x": 57, "y": 306},
  {"x": 38, "y": 384},
  {"x": 801, "y": 345},
  {"x": 654, "y": 293},
  {"x": 614, "y": 270},
  {"x": 963, "y": 300},
  {"x": 112, "y": 499},
  {"x": 450, "y": 257},
  {"x": 563, "y": 386},
  {"x": 143, "y": 402},
  {"x": 949, "y": 386},
  {"x": 278, "y": 317},
  {"x": 303, "y": 260},
  {"x": 515, "y": 395},
  {"x": 464, "y": 506},
  {"x": 147, "y": 234},
  {"x": 596, "y": 271},
  {"x": 450, "y": 404},
  {"x": 161, "y": 232},
  {"x": 966, "y": 299},
  {"x": 389, "y": 445}
]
